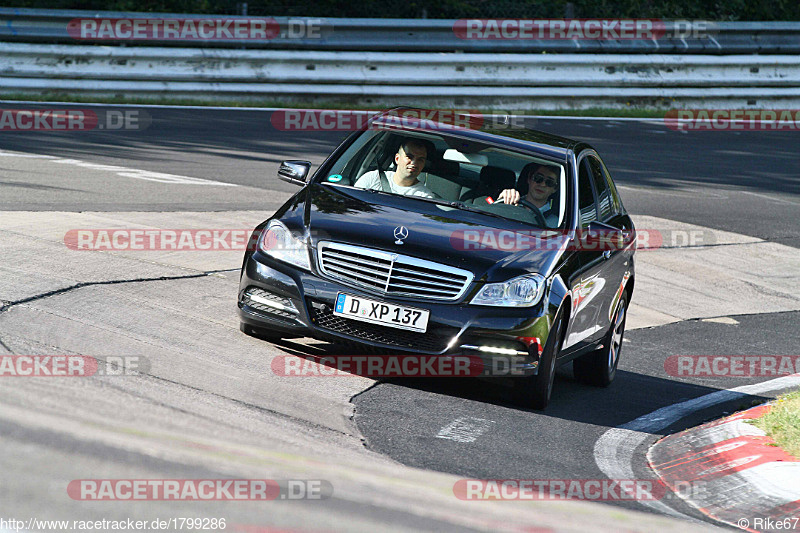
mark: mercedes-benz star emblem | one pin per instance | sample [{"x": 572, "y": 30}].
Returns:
[{"x": 400, "y": 233}]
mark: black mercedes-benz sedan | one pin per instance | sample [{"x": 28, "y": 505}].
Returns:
[{"x": 421, "y": 237}]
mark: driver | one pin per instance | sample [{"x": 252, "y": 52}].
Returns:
[
  {"x": 410, "y": 160},
  {"x": 542, "y": 185}
]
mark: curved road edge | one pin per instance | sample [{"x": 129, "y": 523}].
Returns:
[{"x": 721, "y": 459}]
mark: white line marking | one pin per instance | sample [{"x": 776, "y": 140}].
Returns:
[
  {"x": 125, "y": 172},
  {"x": 694, "y": 193},
  {"x": 721, "y": 320},
  {"x": 614, "y": 450},
  {"x": 3, "y": 153},
  {"x": 465, "y": 429},
  {"x": 779, "y": 200}
]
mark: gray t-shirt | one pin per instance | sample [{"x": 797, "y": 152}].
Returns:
[
  {"x": 550, "y": 213},
  {"x": 371, "y": 180}
]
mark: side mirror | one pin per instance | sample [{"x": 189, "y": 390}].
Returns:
[{"x": 294, "y": 171}]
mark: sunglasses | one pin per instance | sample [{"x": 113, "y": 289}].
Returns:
[{"x": 539, "y": 178}]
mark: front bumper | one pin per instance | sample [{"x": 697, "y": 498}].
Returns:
[{"x": 278, "y": 297}]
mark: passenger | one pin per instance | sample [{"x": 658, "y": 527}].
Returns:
[
  {"x": 410, "y": 159},
  {"x": 542, "y": 186}
]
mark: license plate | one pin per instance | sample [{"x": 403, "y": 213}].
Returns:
[{"x": 385, "y": 314}]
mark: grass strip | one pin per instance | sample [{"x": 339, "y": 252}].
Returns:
[
  {"x": 628, "y": 112},
  {"x": 782, "y": 423}
]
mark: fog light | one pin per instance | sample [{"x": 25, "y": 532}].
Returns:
[
  {"x": 268, "y": 302},
  {"x": 501, "y": 351},
  {"x": 494, "y": 350}
]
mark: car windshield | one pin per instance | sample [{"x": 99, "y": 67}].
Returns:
[{"x": 464, "y": 173}]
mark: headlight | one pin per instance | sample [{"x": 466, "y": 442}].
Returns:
[
  {"x": 278, "y": 242},
  {"x": 523, "y": 291}
]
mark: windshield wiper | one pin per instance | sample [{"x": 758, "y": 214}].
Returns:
[
  {"x": 455, "y": 204},
  {"x": 465, "y": 207},
  {"x": 459, "y": 205},
  {"x": 437, "y": 201}
]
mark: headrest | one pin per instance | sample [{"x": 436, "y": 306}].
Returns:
[
  {"x": 443, "y": 167},
  {"x": 497, "y": 178}
]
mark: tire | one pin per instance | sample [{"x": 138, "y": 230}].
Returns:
[
  {"x": 259, "y": 333},
  {"x": 599, "y": 367},
  {"x": 534, "y": 391}
]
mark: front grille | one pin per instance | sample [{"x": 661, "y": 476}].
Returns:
[
  {"x": 392, "y": 274},
  {"x": 268, "y": 303},
  {"x": 435, "y": 340}
]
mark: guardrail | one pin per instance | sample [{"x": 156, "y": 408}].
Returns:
[
  {"x": 50, "y": 26},
  {"x": 396, "y": 69},
  {"x": 500, "y": 81},
  {"x": 376, "y": 62}
]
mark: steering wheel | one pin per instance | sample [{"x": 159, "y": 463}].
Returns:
[{"x": 539, "y": 216}]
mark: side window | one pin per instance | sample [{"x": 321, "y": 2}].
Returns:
[
  {"x": 586, "y": 205},
  {"x": 613, "y": 189},
  {"x": 604, "y": 201},
  {"x": 355, "y": 160}
]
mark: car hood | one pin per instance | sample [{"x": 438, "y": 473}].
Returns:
[{"x": 489, "y": 247}]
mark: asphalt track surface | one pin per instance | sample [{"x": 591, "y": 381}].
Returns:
[
  {"x": 403, "y": 418},
  {"x": 740, "y": 182}
]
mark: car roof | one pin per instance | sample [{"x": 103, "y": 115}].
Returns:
[{"x": 526, "y": 139}]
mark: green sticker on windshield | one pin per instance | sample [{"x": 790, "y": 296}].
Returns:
[{"x": 335, "y": 177}]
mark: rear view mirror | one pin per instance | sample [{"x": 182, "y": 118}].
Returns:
[{"x": 294, "y": 171}]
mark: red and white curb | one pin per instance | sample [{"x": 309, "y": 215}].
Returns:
[{"x": 737, "y": 474}]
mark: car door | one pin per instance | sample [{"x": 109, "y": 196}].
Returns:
[
  {"x": 584, "y": 325},
  {"x": 605, "y": 262},
  {"x": 619, "y": 263},
  {"x": 600, "y": 272}
]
